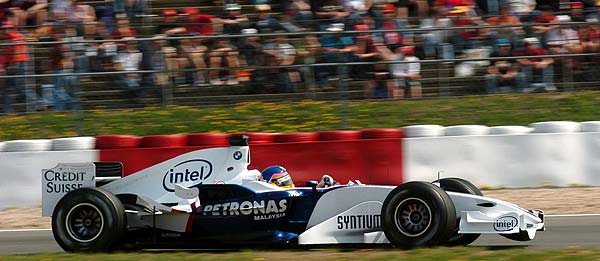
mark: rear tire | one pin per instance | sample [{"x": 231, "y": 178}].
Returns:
[
  {"x": 460, "y": 186},
  {"x": 88, "y": 220},
  {"x": 418, "y": 214}
]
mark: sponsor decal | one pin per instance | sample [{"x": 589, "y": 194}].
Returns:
[
  {"x": 63, "y": 182},
  {"x": 187, "y": 173},
  {"x": 293, "y": 193},
  {"x": 237, "y": 155},
  {"x": 507, "y": 223},
  {"x": 260, "y": 210},
  {"x": 351, "y": 222}
]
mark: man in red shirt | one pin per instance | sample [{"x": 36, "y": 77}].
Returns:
[
  {"x": 15, "y": 59},
  {"x": 539, "y": 71},
  {"x": 198, "y": 23},
  {"x": 390, "y": 21}
]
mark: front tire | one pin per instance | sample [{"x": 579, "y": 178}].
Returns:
[
  {"x": 88, "y": 220},
  {"x": 418, "y": 214},
  {"x": 460, "y": 186}
]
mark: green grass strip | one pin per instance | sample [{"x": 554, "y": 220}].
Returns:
[{"x": 285, "y": 116}]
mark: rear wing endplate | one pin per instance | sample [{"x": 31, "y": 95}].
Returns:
[{"x": 62, "y": 179}]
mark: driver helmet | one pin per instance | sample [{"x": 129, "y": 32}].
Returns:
[{"x": 278, "y": 176}]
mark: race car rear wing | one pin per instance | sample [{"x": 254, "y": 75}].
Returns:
[{"x": 66, "y": 177}]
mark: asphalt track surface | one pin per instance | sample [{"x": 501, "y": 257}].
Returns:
[{"x": 561, "y": 232}]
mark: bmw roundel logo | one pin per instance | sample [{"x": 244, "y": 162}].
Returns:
[{"x": 237, "y": 155}]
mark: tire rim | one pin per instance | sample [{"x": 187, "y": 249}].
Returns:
[
  {"x": 84, "y": 222},
  {"x": 412, "y": 217}
]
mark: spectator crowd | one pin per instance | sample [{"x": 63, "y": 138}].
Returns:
[{"x": 187, "y": 44}]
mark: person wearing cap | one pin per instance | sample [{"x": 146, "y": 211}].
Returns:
[
  {"x": 576, "y": 12},
  {"x": 198, "y": 23},
  {"x": 520, "y": 6},
  {"x": 299, "y": 11},
  {"x": 390, "y": 22},
  {"x": 252, "y": 54},
  {"x": 328, "y": 12},
  {"x": 358, "y": 5},
  {"x": 337, "y": 48},
  {"x": 406, "y": 75},
  {"x": 504, "y": 76},
  {"x": 169, "y": 25},
  {"x": 539, "y": 72},
  {"x": 364, "y": 50},
  {"x": 545, "y": 16},
  {"x": 233, "y": 20},
  {"x": 357, "y": 8},
  {"x": 465, "y": 39},
  {"x": 264, "y": 22},
  {"x": 563, "y": 40}
]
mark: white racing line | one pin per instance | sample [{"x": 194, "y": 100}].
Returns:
[
  {"x": 573, "y": 215},
  {"x": 25, "y": 230},
  {"x": 48, "y": 229}
]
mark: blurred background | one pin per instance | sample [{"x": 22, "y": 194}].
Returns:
[{"x": 71, "y": 67}]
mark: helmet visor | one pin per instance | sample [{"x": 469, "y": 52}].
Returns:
[{"x": 282, "y": 180}]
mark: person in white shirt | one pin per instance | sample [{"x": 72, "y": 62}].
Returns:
[
  {"x": 563, "y": 39},
  {"x": 437, "y": 43},
  {"x": 407, "y": 76},
  {"x": 129, "y": 59},
  {"x": 283, "y": 54}
]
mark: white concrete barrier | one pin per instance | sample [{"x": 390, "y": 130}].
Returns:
[
  {"x": 417, "y": 131},
  {"x": 507, "y": 160},
  {"x": 555, "y": 127},
  {"x": 27, "y": 145},
  {"x": 509, "y": 130},
  {"x": 466, "y": 130},
  {"x": 590, "y": 126},
  {"x": 74, "y": 143},
  {"x": 2, "y": 146},
  {"x": 21, "y": 175}
]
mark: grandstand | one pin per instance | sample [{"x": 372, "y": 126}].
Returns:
[{"x": 438, "y": 78}]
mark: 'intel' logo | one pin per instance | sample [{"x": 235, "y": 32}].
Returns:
[
  {"x": 507, "y": 223},
  {"x": 187, "y": 173}
]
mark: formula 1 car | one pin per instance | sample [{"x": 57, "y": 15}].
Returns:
[{"x": 208, "y": 197}]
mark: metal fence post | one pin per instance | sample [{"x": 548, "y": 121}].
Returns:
[
  {"x": 343, "y": 88},
  {"x": 167, "y": 89},
  {"x": 30, "y": 92},
  {"x": 309, "y": 82},
  {"x": 567, "y": 74}
]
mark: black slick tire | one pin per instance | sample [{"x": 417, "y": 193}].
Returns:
[
  {"x": 418, "y": 214},
  {"x": 461, "y": 186},
  {"x": 88, "y": 220}
]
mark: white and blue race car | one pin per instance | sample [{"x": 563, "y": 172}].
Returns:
[{"x": 209, "y": 198}]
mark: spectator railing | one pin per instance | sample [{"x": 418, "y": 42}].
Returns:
[{"x": 442, "y": 66}]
